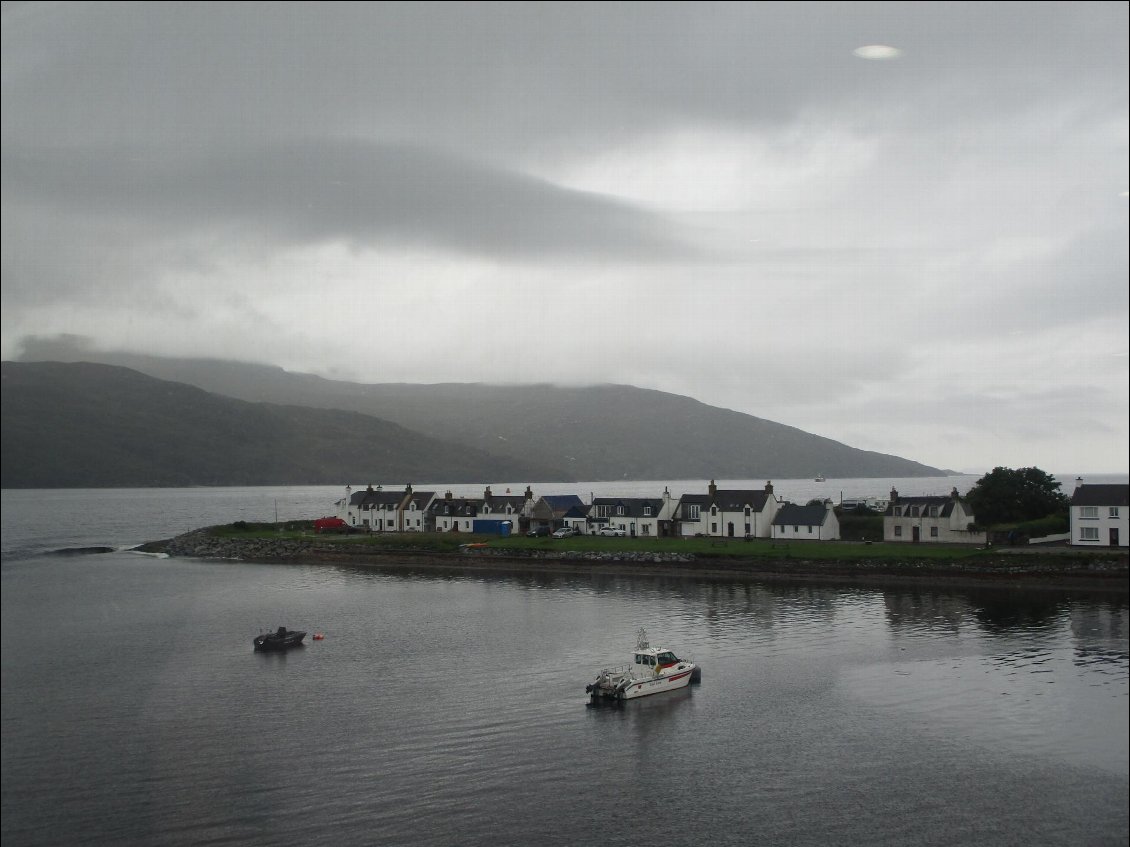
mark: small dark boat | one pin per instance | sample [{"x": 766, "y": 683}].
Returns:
[{"x": 280, "y": 639}]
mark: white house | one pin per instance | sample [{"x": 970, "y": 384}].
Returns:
[
  {"x": 814, "y": 522},
  {"x": 413, "y": 511},
  {"x": 643, "y": 517},
  {"x": 458, "y": 514},
  {"x": 728, "y": 513},
  {"x": 377, "y": 510},
  {"x": 932, "y": 519},
  {"x": 453, "y": 514},
  {"x": 1100, "y": 516},
  {"x": 516, "y": 508}
]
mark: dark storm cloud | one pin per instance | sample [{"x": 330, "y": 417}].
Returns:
[{"x": 325, "y": 189}]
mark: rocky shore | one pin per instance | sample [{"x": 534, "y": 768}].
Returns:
[{"x": 1067, "y": 569}]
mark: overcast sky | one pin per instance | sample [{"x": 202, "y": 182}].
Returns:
[{"x": 919, "y": 250}]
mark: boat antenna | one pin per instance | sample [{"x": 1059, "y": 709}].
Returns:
[{"x": 641, "y": 639}]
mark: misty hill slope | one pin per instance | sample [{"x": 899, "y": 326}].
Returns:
[
  {"x": 92, "y": 425},
  {"x": 592, "y": 433}
]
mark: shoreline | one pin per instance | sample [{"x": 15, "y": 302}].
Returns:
[{"x": 1101, "y": 572}]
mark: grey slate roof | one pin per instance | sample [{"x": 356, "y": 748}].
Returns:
[
  {"x": 633, "y": 506},
  {"x": 374, "y": 496},
  {"x": 1101, "y": 495},
  {"x": 463, "y": 507},
  {"x": 730, "y": 499},
  {"x": 736, "y": 499},
  {"x": 943, "y": 504}
]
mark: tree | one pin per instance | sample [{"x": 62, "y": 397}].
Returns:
[{"x": 1005, "y": 496}]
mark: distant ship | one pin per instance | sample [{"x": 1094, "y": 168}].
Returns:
[{"x": 819, "y": 478}]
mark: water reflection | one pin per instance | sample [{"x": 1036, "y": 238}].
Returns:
[{"x": 1005, "y": 612}]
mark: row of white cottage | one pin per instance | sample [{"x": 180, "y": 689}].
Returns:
[
  {"x": 1098, "y": 515},
  {"x": 732, "y": 513}
]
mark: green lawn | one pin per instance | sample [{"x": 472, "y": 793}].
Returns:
[{"x": 707, "y": 547}]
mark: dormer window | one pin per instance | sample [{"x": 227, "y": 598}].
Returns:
[
  {"x": 619, "y": 510},
  {"x": 647, "y": 511}
]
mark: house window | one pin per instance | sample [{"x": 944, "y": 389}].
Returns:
[
  {"x": 1113, "y": 512},
  {"x": 647, "y": 511},
  {"x": 933, "y": 532},
  {"x": 713, "y": 528},
  {"x": 810, "y": 530},
  {"x": 619, "y": 510},
  {"x": 898, "y": 532},
  {"x": 898, "y": 511},
  {"x": 796, "y": 529},
  {"x": 1089, "y": 512},
  {"x": 1089, "y": 533},
  {"x": 692, "y": 513},
  {"x": 747, "y": 511},
  {"x": 914, "y": 511},
  {"x": 391, "y": 522},
  {"x": 933, "y": 511},
  {"x": 747, "y": 529},
  {"x": 713, "y": 510}
]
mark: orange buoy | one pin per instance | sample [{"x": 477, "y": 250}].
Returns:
[{"x": 318, "y": 636}]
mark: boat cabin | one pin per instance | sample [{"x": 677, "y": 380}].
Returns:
[{"x": 653, "y": 657}]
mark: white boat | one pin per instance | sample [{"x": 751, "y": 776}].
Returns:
[
  {"x": 652, "y": 670},
  {"x": 819, "y": 478}
]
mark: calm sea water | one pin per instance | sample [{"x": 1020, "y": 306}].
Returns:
[{"x": 448, "y": 708}]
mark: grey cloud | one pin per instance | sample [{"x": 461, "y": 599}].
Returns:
[{"x": 508, "y": 76}]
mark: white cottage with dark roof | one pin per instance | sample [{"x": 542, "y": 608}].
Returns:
[
  {"x": 1100, "y": 516},
  {"x": 643, "y": 517},
  {"x": 378, "y": 510},
  {"x": 814, "y": 522},
  {"x": 932, "y": 520},
  {"x": 728, "y": 512},
  {"x": 458, "y": 514}
]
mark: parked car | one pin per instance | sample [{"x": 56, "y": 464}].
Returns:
[
  {"x": 538, "y": 532},
  {"x": 565, "y": 532},
  {"x": 611, "y": 530}
]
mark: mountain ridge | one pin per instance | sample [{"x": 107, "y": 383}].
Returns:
[
  {"x": 89, "y": 425},
  {"x": 596, "y": 432}
]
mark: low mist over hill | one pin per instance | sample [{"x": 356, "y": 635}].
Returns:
[
  {"x": 596, "y": 432},
  {"x": 89, "y": 425}
]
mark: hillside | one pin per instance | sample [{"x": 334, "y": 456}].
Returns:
[
  {"x": 596, "y": 432},
  {"x": 90, "y": 425}
]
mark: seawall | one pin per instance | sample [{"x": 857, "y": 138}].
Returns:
[{"x": 1089, "y": 571}]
